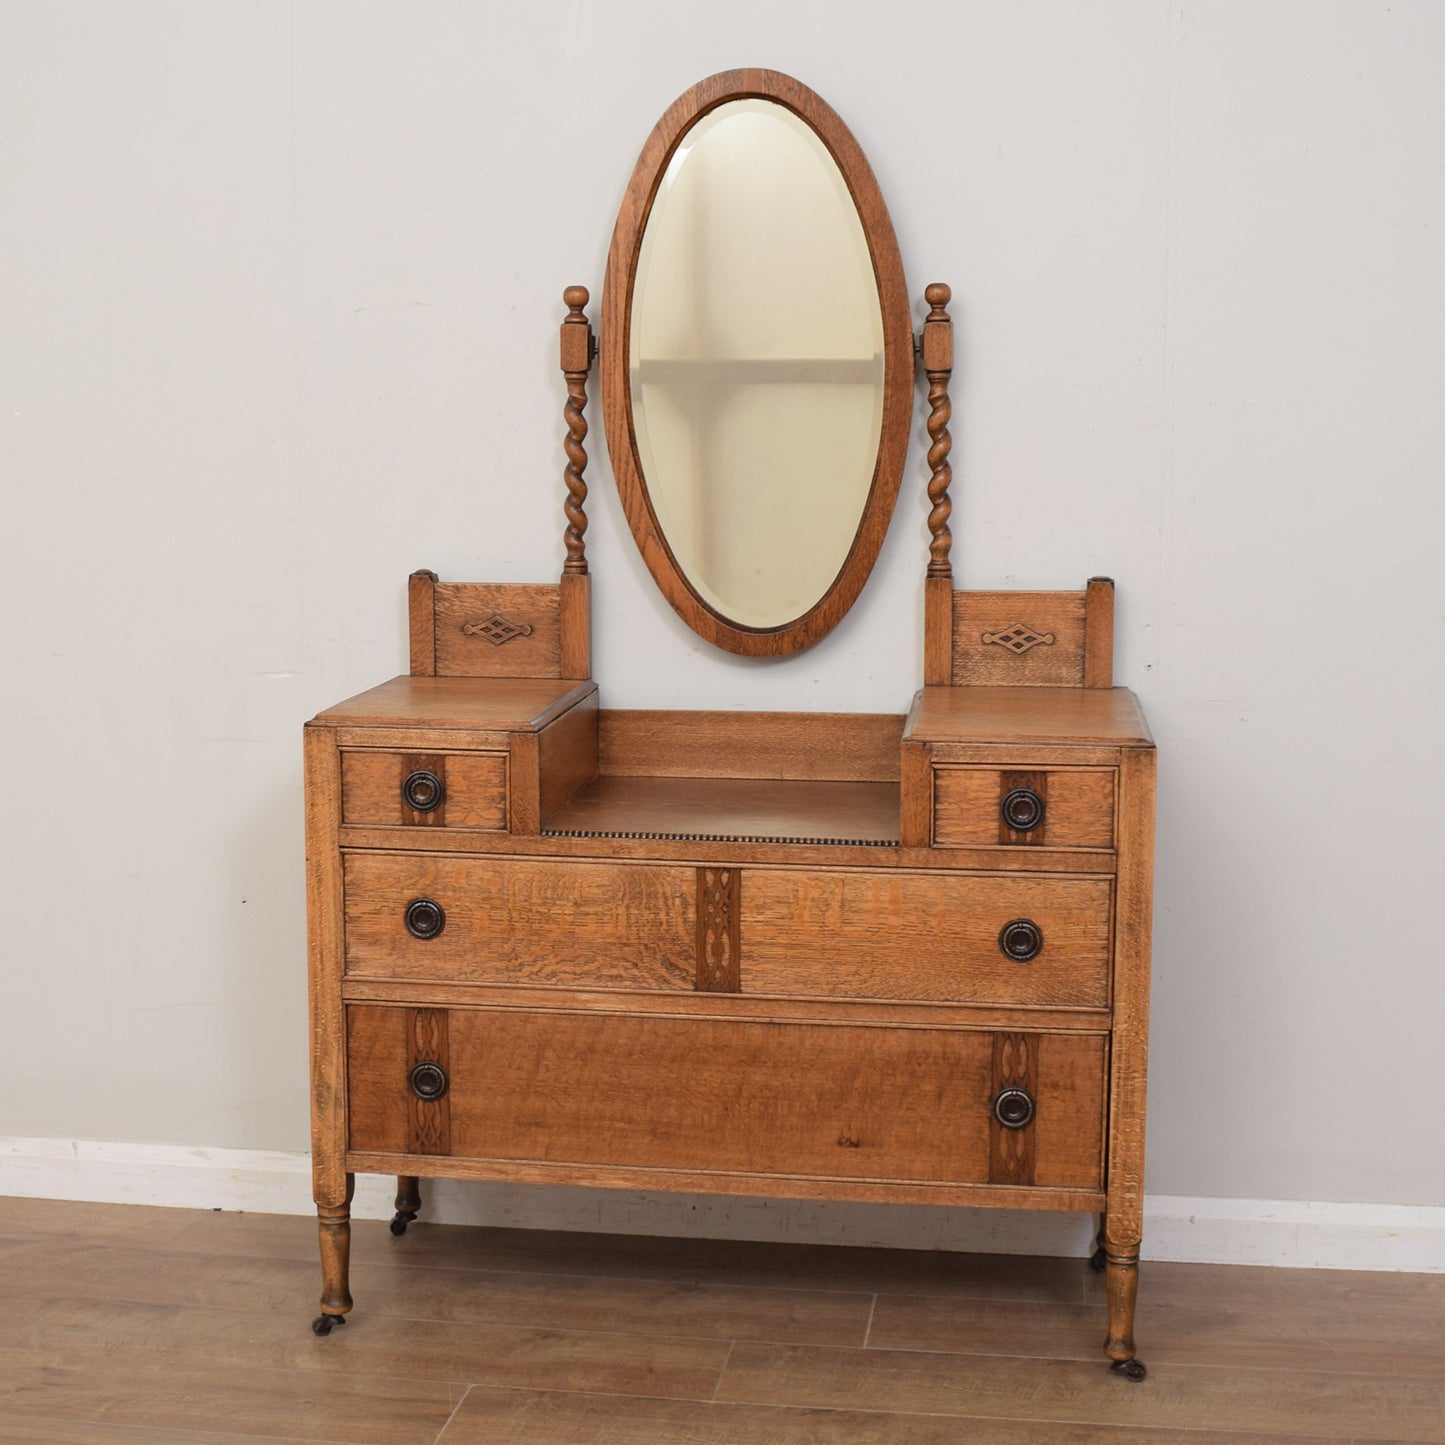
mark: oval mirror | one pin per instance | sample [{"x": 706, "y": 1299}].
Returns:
[{"x": 757, "y": 362}]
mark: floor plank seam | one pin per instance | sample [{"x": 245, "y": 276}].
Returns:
[
  {"x": 466, "y": 1390},
  {"x": 727, "y": 1360}
]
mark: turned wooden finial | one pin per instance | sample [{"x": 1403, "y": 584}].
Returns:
[
  {"x": 938, "y": 367},
  {"x": 577, "y": 353}
]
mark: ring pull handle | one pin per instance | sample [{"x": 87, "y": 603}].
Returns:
[
  {"x": 1020, "y": 939},
  {"x": 428, "y": 1081},
  {"x": 424, "y": 918},
  {"x": 423, "y": 791},
  {"x": 1013, "y": 1108},
  {"x": 1022, "y": 810}
]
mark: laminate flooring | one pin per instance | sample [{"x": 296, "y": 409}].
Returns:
[{"x": 190, "y": 1327}]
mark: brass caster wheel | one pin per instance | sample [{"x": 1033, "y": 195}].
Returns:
[
  {"x": 400, "y": 1221},
  {"x": 1130, "y": 1369},
  {"x": 322, "y": 1324},
  {"x": 1097, "y": 1260}
]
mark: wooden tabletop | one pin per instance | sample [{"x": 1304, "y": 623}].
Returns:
[
  {"x": 511, "y": 704},
  {"x": 1108, "y": 716}
]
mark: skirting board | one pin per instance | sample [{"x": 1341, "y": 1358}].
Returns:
[{"x": 1206, "y": 1231}]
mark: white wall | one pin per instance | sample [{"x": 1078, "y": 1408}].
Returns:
[{"x": 280, "y": 293}]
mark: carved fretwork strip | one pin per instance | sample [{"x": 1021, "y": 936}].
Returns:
[
  {"x": 576, "y": 363},
  {"x": 719, "y": 930},
  {"x": 425, "y": 763},
  {"x": 428, "y": 1121},
  {"x": 1011, "y": 1151},
  {"x": 1037, "y": 783}
]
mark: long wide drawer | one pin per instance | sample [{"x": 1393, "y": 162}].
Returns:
[
  {"x": 984, "y": 938},
  {"x": 505, "y": 920},
  {"x": 728, "y": 1095}
]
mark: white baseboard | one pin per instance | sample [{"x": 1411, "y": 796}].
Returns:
[{"x": 1210, "y": 1231}]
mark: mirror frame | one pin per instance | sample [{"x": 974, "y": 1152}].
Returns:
[{"x": 615, "y": 347}]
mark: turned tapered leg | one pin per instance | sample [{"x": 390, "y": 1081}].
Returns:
[
  {"x": 408, "y": 1202},
  {"x": 1121, "y": 1281},
  {"x": 333, "y": 1227}
]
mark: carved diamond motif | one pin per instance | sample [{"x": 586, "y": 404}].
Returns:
[
  {"x": 1019, "y": 638},
  {"x": 496, "y": 629}
]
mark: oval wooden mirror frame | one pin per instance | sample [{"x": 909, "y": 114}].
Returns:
[{"x": 615, "y": 343}]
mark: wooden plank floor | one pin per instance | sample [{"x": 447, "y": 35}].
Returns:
[{"x": 128, "y": 1323}]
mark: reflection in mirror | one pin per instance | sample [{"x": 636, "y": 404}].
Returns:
[{"x": 756, "y": 363}]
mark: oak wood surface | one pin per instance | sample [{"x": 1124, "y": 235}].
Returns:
[
  {"x": 1078, "y": 808},
  {"x": 732, "y": 809},
  {"x": 520, "y": 921},
  {"x": 845, "y": 747},
  {"x": 467, "y": 647},
  {"x": 1025, "y": 715},
  {"x": 507, "y": 704},
  {"x": 799, "y": 1099},
  {"x": 616, "y": 330},
  {"x": 924, "y": 936},
  {"x": 475, "y": 785}
]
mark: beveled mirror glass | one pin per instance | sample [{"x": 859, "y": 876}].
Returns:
[{"x": 757, "y": 362}]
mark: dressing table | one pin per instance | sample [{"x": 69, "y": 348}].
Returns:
[{"x": 897, "y": 958}]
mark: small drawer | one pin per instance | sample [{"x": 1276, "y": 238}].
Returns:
[
  {"x": 460, "y": 919},
  {"x": 728, "y": 1096},
  {"x": 1010, "y": 938},
  {"x": 437, "y": 790},
  {"x": 977, "y": 807}
]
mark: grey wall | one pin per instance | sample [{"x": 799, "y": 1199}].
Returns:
[{"x": 281, "y": 285}]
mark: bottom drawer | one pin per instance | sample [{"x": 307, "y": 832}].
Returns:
[{"x": 804, "y": 1099}]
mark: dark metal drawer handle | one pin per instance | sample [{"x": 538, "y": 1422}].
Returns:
[
  {"x": 1021, "y": 939},
  {"x": 1023, "y": 810},
  {"x": 428, "y": 1081},
  {"x": 1013, "y": 1108},
  {"x": 424, "y": 919},
  {"x": 423, "y": 791}
]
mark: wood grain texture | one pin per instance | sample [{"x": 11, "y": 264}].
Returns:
[
  {"x": 428, "y": 1121},
  {"x": 324, "y": 952},
  {"x": 475, "y": 786},
  {"x": 1130, "y": 1048},
  {"x": 575, "y": 620},
  {"x": 719, "y": 918},
  {"x": 566, "y": 756},
  {"x": 1099, "y": 632},
  {"x": 793, "y": 1099},
  {"x": 938, "y": 631},
  {"x": 1023, "y": 716},
  {"x": 732, "y": 808},
  {"x": 1011, "y": 1152},
  {"x": 844, "y": 747},
  {"x": 421, "y": 619},
  {"x": 616, "y": 330},
  {"x": 505, "y": 704},
  {"x": 1078, "y": 807},
  {"x": 1056, "y": 616},
  {"x": 1069, "y": 1392},
  {"x": 521, "y": 921},
  {"x": 462, "y": 650},
  {"x": 905, "y": 935}
]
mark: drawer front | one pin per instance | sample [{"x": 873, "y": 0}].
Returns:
[
  {"x": 503, "y": 920},
  {"x": 426, "y": 790},
  {"x": 724, "y": 1095},
  {"x": 977, "y": 807},
  {"x": 954, "y": 938}
]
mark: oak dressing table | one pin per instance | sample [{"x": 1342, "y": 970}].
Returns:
[{"x": 898, "y": 958}]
